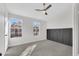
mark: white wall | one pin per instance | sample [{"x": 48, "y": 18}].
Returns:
[
  {"x": 76, "y": 30},
  {"x": 27, "y": 32},
  {"x": 61, "y": 17}
]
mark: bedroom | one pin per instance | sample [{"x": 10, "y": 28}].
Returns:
[{"x": 44, "y": 33}]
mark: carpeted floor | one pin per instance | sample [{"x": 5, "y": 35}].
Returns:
[{"x": 44, "y": 48}]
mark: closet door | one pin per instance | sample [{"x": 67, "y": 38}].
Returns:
[
  {"x": 63, "y": 36},
  {"x": 59, "y": 35},
  {"x": 67, "y": 36},
  {"x": 54, "y": 35}
]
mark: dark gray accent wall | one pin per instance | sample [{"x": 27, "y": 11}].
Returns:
[{"x": 60, "y": 35}]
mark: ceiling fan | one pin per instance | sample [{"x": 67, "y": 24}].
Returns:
[{"x": 45, "y": 8}]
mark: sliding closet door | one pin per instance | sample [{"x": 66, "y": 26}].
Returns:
[{"x": 60, "y": 35}]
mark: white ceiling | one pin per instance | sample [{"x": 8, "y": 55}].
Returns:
[{"x": 28, "y": 9}]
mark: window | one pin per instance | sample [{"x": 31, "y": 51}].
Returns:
[
  {"x": 15, "y": 27},
  {"x": 36, "y": 28}
]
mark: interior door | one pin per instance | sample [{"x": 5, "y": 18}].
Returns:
[
  {"x": 3, "y": 30},
  {"x": 6, "y": 33}
]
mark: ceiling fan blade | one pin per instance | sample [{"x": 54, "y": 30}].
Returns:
[
  {"x": 39, "y": 9},
  {"x": 48, "y": 7}
]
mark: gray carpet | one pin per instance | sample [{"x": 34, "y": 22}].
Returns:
[{"x": 44, "y": 48}]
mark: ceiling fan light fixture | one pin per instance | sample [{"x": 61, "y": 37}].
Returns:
[{"x": 46, "y": 13}]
